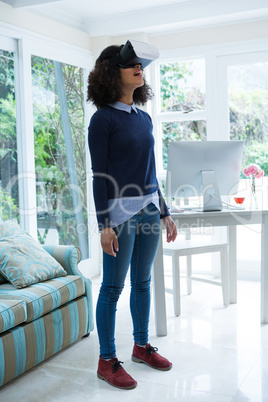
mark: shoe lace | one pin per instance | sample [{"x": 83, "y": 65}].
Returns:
[
  {"x": 151, "y": 349},
  {"x": 116, "y": 366}
]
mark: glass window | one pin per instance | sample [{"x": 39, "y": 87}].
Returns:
[
  {"x": 60, "y": 153},
  {"x": 181, "y": 131},
  {"x": 181, "y": 112},
  {"x": 9, "y": 197},
  {"x": 248, "y": 110},
  {"x": 183, "y": 85}
]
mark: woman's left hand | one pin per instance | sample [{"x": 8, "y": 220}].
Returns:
[{"x": 171, "y": 228}]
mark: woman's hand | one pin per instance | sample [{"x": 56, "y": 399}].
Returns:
[
  {"x": 171, "y": 228},
  {"x": 109, "y": 242}
]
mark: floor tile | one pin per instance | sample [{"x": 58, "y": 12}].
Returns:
[
  {"x": 255, "y": 385},
  {"x": 48, "y": 384},
  {"x": 200, "y": 368},
  {"x": 219, "y": 355}
]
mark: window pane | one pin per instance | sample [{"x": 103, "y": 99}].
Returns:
[
  {"x": 182, "y": 85},
  {"x": 248, "y": 106},
  {"x": 60, "y": 153},
  {"x": 9, "y": 198},
  {"x": 181, "y": 131}
]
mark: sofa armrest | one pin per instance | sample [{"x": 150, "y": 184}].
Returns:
[{"x": 67, "y": 256}]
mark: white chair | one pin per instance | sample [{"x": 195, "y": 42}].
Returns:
[{"x": 191, "y": 247}]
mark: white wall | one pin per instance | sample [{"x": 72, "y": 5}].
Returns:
[
  {"x": 192, "y": 38},
  {"x": 212, "y": 36},
  {"x": 42, "y": 26}
]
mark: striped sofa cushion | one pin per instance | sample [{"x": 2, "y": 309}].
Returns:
[
  {"x": 28, "y": 344},
  {"x": 67, "y": 256},
  {"x": 12, "y": 313},
  {"x": 46, "y": 296}
]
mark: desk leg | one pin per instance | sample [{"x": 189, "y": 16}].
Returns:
[
  {"x": 232, "y": 264},
  {"x": 159, "y": 292},
  {"x": 264, "y": 270}
]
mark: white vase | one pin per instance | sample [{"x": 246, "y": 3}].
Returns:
[{"x": 253, "y": 198}]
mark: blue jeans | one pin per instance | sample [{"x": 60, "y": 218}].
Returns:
[{"x": 138, "y": 241}]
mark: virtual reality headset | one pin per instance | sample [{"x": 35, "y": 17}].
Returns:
[{"x": 135, "y": 52}]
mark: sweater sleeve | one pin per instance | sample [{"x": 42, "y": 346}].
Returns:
[
  {"x": 164, "y": 211},
  {"x": 98, "y": 141}
]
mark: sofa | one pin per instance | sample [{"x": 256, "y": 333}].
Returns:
[{"x": 45, "y": 302}]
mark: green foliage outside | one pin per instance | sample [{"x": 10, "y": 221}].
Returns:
[
  {"x": 175, "y": 96},
  {"x": 8, "y": 208},
  {"x": 55, "y": 207},
  {"x": 249, "y": 122},
  {"x": 8, "y": 144},
  {"x": 248, "y": 114},
  {"x": 51, "y": 164}
]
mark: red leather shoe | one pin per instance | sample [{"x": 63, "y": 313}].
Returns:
[
  {"x": 150, "y": 357},
  {"x": 112, "y": 372}
]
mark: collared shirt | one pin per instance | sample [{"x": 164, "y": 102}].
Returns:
[
  {"x": 122, "y": 209},
  {"x": 124, "y": 107}
]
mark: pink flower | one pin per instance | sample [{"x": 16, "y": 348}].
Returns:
[
  {"x": 260, "y": 174},
  {"x": 253, "y": 170}
]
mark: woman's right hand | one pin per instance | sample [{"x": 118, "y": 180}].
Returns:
[{"x": 109, "y": 242}]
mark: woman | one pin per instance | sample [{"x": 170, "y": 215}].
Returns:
[{"x": 129, "y": 206}]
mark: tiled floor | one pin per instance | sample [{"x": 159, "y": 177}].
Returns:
[{"x": 219, "y": 355}]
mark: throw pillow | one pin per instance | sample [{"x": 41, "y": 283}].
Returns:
[
  {"x": 23, "y": 261},
  {"x": 10, "y": 226}
]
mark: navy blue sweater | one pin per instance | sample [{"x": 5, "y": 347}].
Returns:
[{"x": 121, "y": 145}]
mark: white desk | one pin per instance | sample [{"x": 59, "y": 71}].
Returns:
[{"x": 231, "y": 219}]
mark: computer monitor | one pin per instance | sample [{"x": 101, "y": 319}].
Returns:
[{"x": 210, "y": 169}]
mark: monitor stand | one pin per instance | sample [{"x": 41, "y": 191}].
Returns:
[{"x": 211, "y": 194}]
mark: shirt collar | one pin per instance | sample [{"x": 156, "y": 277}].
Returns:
[{"x": 123, "y": 106}]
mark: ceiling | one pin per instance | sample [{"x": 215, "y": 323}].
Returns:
[{"x": 117, "y": 17}]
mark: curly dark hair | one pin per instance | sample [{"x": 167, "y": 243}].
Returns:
[{"x": 104, "y": 82}]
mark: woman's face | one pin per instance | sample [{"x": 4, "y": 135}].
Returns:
[{"x": 132, "y": 77}]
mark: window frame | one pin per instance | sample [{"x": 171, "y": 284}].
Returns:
[
  {"x": 26, "y": 44},
  {"x": 171, "y": 116},
  {"x": 216, "y": 113},
  {"x": 223, "y": 63}
]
